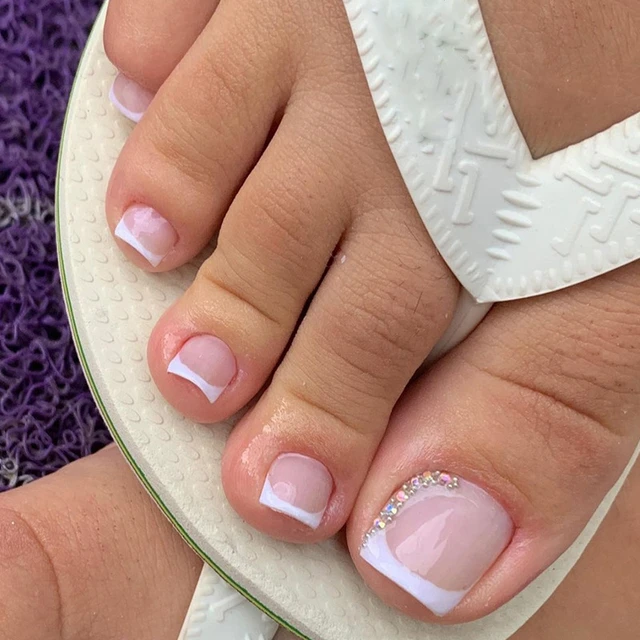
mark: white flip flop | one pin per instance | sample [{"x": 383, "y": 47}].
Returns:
[{"x": 314, "y": 590}]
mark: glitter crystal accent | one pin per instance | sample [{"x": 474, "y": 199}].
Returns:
[{"x": 409, "y": 488}]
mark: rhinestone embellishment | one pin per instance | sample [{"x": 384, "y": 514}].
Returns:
[{"x": 409, "y": 488}]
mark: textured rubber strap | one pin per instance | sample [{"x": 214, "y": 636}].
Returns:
[
  {"x": 218, "y": 612},
  {"x": 508, "y": 226}
]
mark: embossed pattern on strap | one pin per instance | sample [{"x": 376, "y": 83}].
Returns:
[
  {"x": 219, "y": 612},
  {"x": 508, "y": 226}
]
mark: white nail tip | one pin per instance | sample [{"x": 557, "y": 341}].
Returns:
[
  {"x": 178, "y": 368},
  {"x": 440, "y": 601},
  {"x": 132, "y": 115},
  {"x": 125, "y": 235},
  {"x": 268, "y": 498}
]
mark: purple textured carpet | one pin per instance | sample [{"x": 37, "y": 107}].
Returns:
[{"x": 47, "y": 415}]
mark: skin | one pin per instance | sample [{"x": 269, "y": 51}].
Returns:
[
  {"x": 88, "y": 550},
  {"x": 274, "y": 142}
]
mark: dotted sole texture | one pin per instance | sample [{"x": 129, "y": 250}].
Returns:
[
  {"x": 508, "y": 226},
  {"x": 113, "y": 306}
]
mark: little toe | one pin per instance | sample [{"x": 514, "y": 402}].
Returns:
[
  {"x": 129, "y": 97},
  {"x": 146, "y": 40},
  {"x": 185, "y": 161}
]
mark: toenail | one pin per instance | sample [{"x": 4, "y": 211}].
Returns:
[
  {"x": 129, "y": 97},
  {"x": 299, "y": 487},
  {"x": 147, "y": 232},
  {"x": 208, "y": 363},
  {"x": 436, "y": 537}
]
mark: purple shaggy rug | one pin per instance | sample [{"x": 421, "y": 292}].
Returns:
[{"x": 47, "y": 415}]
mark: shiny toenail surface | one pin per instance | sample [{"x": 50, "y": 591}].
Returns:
[
  {"x": 147, "y": 232},
  {"x": 298, "y": 486},
  {"x": 208, "y": 363},
  {"x": 436, "y": 537},
  {"x": 129, "y": 98}
]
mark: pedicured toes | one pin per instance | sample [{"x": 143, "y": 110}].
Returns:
[{"x": 436, "y": 537}]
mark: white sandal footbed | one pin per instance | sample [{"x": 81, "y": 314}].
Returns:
[{"x": 314, "y": 590}]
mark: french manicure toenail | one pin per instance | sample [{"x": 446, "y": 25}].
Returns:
[
  {"x": 129, "y": 97},
  {"x": 436, "y": 537},
  {"x": 299, "y": 487},
  {"x": 208, "y": 363},
  {"x": 144, "y": 229}
]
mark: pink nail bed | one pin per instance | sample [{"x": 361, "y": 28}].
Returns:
[
  {"x": 129, "y": 97},
  {"x": 208, "y": 363},
  {"x": 144, "y": 229},
  {"x": 436, "y": 537},
  {"x": 299, "y": 487}
]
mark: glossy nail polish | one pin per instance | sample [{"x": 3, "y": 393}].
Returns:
[
  {"x": 144, "y": 229},
  {"x": 208, "y": 363},
  {"x": 299, "y": 487},
  {"x": 129, "y": 97},
  {"x": 436, "y": 537}
]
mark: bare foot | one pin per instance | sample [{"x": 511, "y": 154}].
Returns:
[{"x": 325, "y": 283}]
